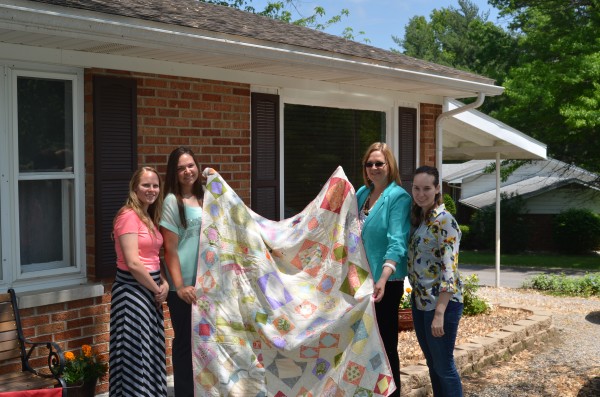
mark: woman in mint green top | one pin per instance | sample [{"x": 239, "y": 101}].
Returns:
[
  {"x": 384, "y": 211},
  {"x": 180, "y": 228}
]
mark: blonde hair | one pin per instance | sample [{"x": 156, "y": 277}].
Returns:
[
  {"x": 390, "y": 160},
  {"x": 152, "y": 218}
]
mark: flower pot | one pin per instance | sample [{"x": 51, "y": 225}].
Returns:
[
  {"x": 405, "y": 320},
  {"x": 86, "y": 389}
]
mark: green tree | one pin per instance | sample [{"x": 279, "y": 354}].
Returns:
[
  {"x": 554, "y": 92},
  {"x": 464, "y": 39}
]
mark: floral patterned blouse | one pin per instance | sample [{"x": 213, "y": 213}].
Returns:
[{"x": 433, "y": 259}]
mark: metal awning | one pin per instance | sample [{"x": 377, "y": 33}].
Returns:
[{"x": 474, "y": 135}]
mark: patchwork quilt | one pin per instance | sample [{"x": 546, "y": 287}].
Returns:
[{"x": 284, "y": 308}]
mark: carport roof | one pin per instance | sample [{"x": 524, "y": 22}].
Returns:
[{"x": 475, "y": 135}]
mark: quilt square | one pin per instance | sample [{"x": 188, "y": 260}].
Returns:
[{"x": 336, "y": 194}]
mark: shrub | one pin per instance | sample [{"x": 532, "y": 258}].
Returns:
[
  {"x": 473, "y": 304},
  {"x": 450, "y": 204},
  {"x": 577, "y": 231},
  {"x": 560, "y": 284},
  {"x": 465, "y": 240},
  {"x": 514, "y": 232}
]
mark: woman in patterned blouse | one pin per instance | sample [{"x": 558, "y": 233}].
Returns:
[{"x": 437, "y": 302}]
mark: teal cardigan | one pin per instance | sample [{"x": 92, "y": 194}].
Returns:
[{"x": 385, "y": 231}]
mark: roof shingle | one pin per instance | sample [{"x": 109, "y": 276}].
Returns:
[{"x": 230, "y": 21}]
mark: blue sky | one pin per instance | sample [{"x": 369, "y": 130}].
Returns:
[{"x": 380, "y": 19}]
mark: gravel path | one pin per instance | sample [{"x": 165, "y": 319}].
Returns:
[{"x": 568, "y": 365}]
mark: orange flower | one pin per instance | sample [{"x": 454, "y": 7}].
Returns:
[
  {"x": 69, "y": 356},
  {"x": 87, "y": 350}
]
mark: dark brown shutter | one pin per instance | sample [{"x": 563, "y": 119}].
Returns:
[
  {"x": 407, "y": 138},
  {"x": 115, "y": 160},
  {"x": 265, "y": 155}
]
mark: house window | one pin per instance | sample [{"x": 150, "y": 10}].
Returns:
[
  {"x": 319, "y": 139},
  {"x": 44, "y": 238}
]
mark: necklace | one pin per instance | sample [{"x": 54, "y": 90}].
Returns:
[{"x": 367, "y": 206}]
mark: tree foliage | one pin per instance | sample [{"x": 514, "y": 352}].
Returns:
[
  {"x": 548, "y": 59},
  {"x": 462, "y": 38},
  {"x": 289, "y": 11},
  {"x": 554, "y": 90}
]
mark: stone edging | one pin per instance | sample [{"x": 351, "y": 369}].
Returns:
[{"x": 481, "y": 351}]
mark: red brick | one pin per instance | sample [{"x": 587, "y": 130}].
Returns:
[
  {"x": 211, "y": 132},
  {"x": 66, "y": 335},
  {"x": 190, "y": 114},
  {"x": 27, "y": 322},
  {"x": 177, "y": 141},
  {"x": 158, "y": 83},
  {"x": 179, "y": 104},
  {"x": 180, "y": 122},
  {"x": 212, "y": 97},
  {"x": 200, "y": 123},
  {"x": 180, "y": 85},
  {"x": 155, "y": 121},
  {"x": 146, "y": 111},
  {"x": 201, "y": 105},
  {"x": 168, "y": 112},
  {"x": 79, "y": 322},
  {"x": 155, "y": 140},
  {"x": 241, "y": 91},
  {"x": 146, "y": 92},
  {"x": 166, "y": 94},
  {"x": 190, "y": 95},
  {"x": 154, "y": 102},
  {"x": 211, "y": 115}
]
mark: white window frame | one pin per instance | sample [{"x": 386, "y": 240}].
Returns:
[{"x": 48, "y": 275}]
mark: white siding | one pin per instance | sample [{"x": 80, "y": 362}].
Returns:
[{"x": 558, "y": 200}]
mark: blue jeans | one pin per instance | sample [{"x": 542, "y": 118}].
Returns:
[{"x": 439, "y": 352}]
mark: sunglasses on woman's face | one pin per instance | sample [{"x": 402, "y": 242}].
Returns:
[{"x": 377, "y": 164}]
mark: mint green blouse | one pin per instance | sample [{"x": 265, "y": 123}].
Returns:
[{"x": 189, "y": 239}]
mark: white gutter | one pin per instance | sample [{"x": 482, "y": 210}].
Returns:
[{"x": 439, "y": 129}]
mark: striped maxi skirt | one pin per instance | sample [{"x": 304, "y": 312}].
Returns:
[{"x": 137, "y": 354}]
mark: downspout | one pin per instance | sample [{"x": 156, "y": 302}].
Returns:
[{"x": 438, "y": 127}]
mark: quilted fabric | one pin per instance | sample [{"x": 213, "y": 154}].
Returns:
[{"x": 298, "y": 322}]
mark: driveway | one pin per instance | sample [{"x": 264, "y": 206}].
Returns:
[{"x": 510, "y": 276}]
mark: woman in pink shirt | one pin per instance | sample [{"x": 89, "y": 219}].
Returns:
[{"x": 137, "y": 334}]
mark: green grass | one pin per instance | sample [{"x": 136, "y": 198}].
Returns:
[{"x": 545, "y": 260}]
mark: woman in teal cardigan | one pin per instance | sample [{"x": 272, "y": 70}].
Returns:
[{"x": 384, "y": 211}]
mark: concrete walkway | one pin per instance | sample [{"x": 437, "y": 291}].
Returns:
[{"x": 510, "y": 276}]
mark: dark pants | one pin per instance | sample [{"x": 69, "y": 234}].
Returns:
[
  {"x": 181, "y": 319},
  {"x": 387, "y": 320},
  {"x": 439, "y": 352}
]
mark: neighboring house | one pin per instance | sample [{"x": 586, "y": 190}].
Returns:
[
  {"x": 548, "y": 187},
  {"x": 91, "y": 89}
]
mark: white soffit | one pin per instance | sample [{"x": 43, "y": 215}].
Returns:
[{"x": 475, "y": 135}]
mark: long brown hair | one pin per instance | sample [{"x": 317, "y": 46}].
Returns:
[
  {"x": 152, "y": 218},
  {"x": 172, "y": 182},
  {"x": 416, "y": 213},
  {"x": 390, "y": 160}
]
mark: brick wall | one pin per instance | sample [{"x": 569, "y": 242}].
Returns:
[
  {"x": 429, "y": 114},
  {"x": 211, "y": 117}
]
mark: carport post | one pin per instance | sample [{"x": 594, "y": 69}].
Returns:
[{"x": 497, "y": 219}]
